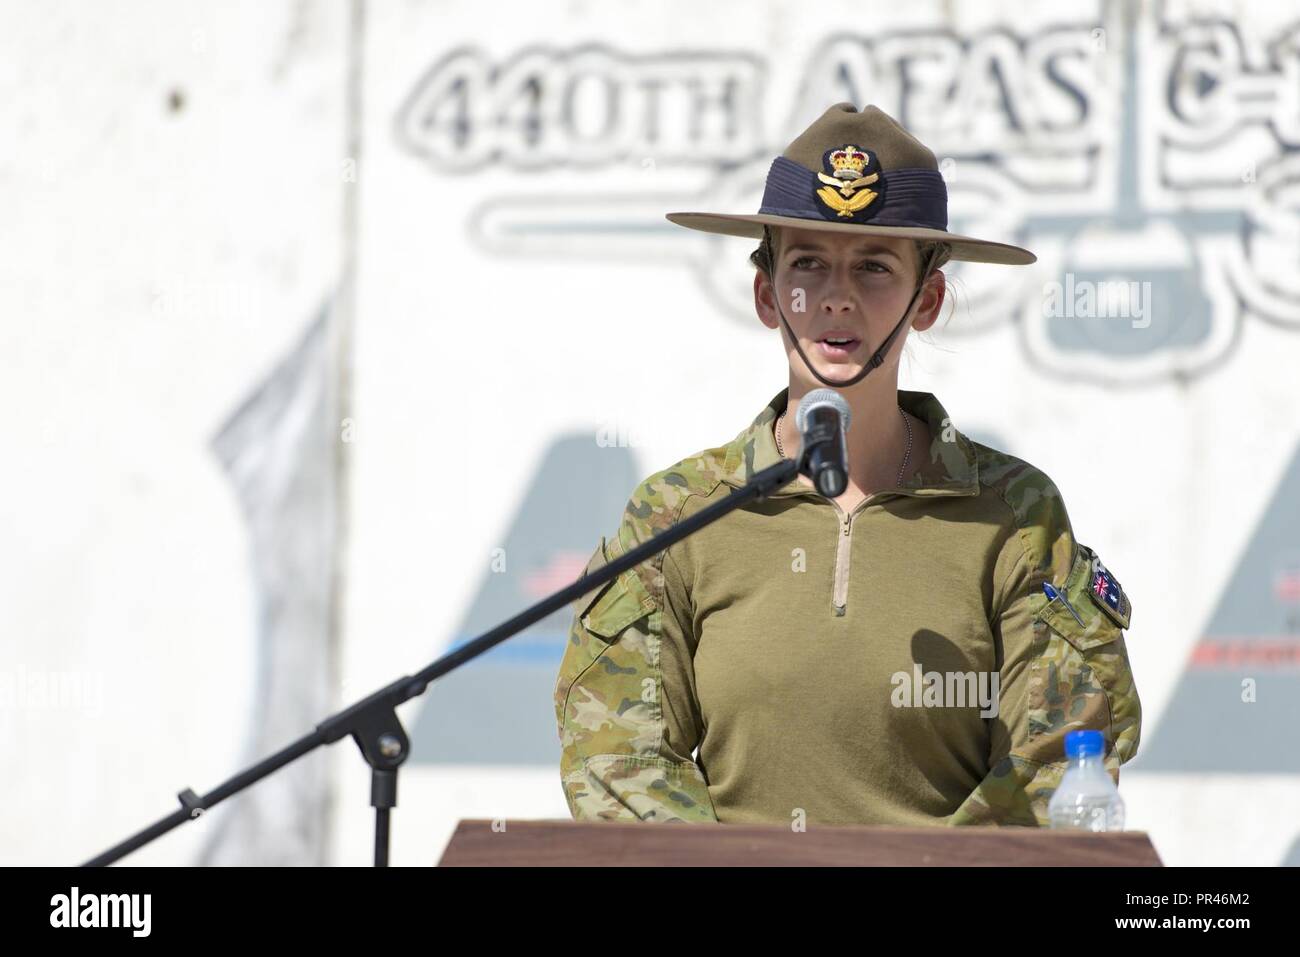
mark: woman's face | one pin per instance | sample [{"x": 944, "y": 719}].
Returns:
[{"x": 841, "y": 295}]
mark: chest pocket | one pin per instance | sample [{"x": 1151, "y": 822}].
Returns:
[
  {"x": 1097, "y": 622},
  {"x": 611, "y": 607}
]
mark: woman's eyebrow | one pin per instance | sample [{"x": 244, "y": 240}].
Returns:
[{"x": 863, "y": 249}]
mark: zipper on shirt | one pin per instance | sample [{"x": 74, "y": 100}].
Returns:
[{"x": 843, "y": 548}]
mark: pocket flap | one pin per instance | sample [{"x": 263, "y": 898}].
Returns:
[
  {"x": 1083, "y": 617},
  {"x": 610, "y": 608}
]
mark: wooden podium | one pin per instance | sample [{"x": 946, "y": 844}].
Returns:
[{"x": 586, "y": 844}]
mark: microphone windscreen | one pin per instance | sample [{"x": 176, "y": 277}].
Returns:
[{"x": 820, "y": 397}]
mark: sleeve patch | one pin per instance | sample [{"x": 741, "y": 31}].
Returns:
[{"x": 1105, "y": 591}]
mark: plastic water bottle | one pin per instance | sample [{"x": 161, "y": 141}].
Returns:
[{"x": 1087, "y": 799}]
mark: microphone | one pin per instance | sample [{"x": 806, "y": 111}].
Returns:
[{"x": 823, "y": 424}]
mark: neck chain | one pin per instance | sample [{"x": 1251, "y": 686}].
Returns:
[{"x": 906, "y": 455}]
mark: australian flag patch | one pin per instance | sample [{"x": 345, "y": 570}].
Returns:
[{"x": 1106, "y": 592}]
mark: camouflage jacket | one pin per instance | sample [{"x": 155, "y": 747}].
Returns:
[{"x": 904, "y": 664}]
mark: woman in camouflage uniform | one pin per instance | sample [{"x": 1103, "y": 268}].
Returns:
[{"x": 911, "y": 652}]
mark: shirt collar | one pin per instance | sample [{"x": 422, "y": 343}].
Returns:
[{"x": 951, "y": 466}]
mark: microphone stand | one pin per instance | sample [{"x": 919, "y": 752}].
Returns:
[{"x": 372, "y": 722}]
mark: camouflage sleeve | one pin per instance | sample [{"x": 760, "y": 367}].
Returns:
[
  {"x": 625, "y": 700},
  {"x": 1063, "y": 666}
]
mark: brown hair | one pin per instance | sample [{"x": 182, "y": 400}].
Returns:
[{"x": 764, "y": 257}]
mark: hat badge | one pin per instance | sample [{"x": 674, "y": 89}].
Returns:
[{"x": 848, "y": 171}]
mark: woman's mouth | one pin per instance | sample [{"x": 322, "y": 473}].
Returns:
[{"x": 838, "y": 345}]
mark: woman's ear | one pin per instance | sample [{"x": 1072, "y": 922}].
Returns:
[
  {"x": 764, "y": 303},
  {"x": 931, "y": 301}
]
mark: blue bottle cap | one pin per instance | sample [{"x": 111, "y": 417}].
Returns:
[{"x": 1089, "y": 743}]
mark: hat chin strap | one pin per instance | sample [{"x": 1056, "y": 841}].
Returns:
[{"x": 879, "y": 356}]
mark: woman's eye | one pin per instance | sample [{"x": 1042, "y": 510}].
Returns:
[{"x": 875, "y": 266}]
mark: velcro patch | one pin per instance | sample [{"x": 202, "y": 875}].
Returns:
[{"x": 1105, "y": 591}]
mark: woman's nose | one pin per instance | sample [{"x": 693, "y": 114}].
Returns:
[{"x": 837, "y": 294}]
